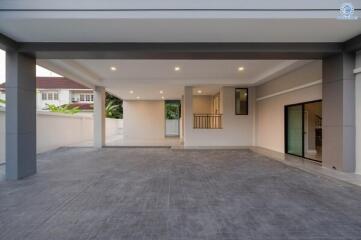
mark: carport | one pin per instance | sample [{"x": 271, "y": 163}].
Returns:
[
  {"x": 187, "y": 31},
  {"x": 22, "y": 56}
]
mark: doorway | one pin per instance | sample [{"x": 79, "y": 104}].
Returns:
[
  {"x": 303, "y": 130},
  {"x": 172, "y": 116}
]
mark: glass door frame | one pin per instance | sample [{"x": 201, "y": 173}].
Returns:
[{"x": 302, "y": 104}]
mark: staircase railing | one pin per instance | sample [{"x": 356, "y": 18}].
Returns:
[{"x": 207, "y": 121}]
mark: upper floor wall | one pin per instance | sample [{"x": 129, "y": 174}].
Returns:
[{"x": 307, "y": 74}]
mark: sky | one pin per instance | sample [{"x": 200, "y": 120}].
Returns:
[{"x": 40, "y": 71}]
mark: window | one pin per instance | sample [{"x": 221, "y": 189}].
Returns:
[
  {"x": 241, "y": 96},
  {"x": 49, "y": 96},
  {"x": 86, "y": 97}
]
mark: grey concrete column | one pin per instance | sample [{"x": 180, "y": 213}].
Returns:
[
  {"x": 20, "y": 116},
  {"x": 188, "y": 114},
  {"x": 99, "y": 117},
  {"x": 357, "y": 72},
  {"x": 339, "y": 112}
]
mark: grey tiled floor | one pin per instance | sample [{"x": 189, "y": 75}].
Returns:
[{"x": 132, "y": 193}]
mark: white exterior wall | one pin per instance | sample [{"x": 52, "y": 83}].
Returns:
[
  {"x": 270, "y": 116},
  {"x": 144, "y": 120},
  {"x": 64, "y": 96},
  {"x": 54, "y": 130},
  {"x": 202, "y": 104},
  {"x": 57, "y": 130},
  {"x": 273, "y": 96},
  {"x": 237, "y": 130}
]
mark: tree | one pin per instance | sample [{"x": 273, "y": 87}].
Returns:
[
  {"x": 172, "y": 109},
  {"x": 113, "y": 106}
]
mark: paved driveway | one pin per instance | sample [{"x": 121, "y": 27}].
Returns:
[{"x": 130, "y": 193}]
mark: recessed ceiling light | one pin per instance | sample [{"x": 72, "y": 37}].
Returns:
[
  {"x": 240, "y": 69},
  {"x": 199, "y": 91},
  {"x": 161, "y": 92},
  {"x": 177, "y": 68},
  {"x": 162, "y": 97},
  {"x": 138, "y": 97},
  {"x": 131, "y": 91},
  {"x": 113, "y": 68}
]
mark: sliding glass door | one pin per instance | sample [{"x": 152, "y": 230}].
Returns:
[
  {"x": 294, "y": 130},
  {"x": 303, "y": 130}
]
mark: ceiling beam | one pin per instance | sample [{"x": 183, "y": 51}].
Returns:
[
  {"x": 7, "y": 43},
  {"x": 72, "y": 70},
  {"x": 352, "y": 45},
  {"x": 180, "y": 50}
]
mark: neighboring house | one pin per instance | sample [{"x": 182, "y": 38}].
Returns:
[{"x": 59, "y": 91}]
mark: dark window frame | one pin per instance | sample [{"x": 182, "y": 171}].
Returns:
[
  {"x": 285, "y": 111},
  {"x": 235, "y": 102}
]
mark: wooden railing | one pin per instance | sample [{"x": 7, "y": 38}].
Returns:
[{"x": 207, "y": 121}]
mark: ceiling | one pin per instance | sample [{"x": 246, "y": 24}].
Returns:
[
  {"x": 179, "y": 30},
  {"x": 146, "y": 78},
  {"x": 174, "y": 21}
]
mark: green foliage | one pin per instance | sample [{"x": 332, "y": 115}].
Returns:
[
  {"x": 63, "y": 109},
  {"x": 112, "y": 110},
  {"x": 113, "y": 107},
  {"x": 172, "y": 110},
  {"x": 2, "y": 101}
]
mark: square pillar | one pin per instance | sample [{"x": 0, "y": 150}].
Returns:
[
  {"x": 357, "y": 72},
  {"x": 99, "y": 117},
  {"x": 188, "y": 114},
  {"x": 20, "y": 115},
  {"x": 338, "y": 121}
]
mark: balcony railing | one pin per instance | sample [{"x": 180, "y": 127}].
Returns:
[{"x": 207, "y": 121}]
